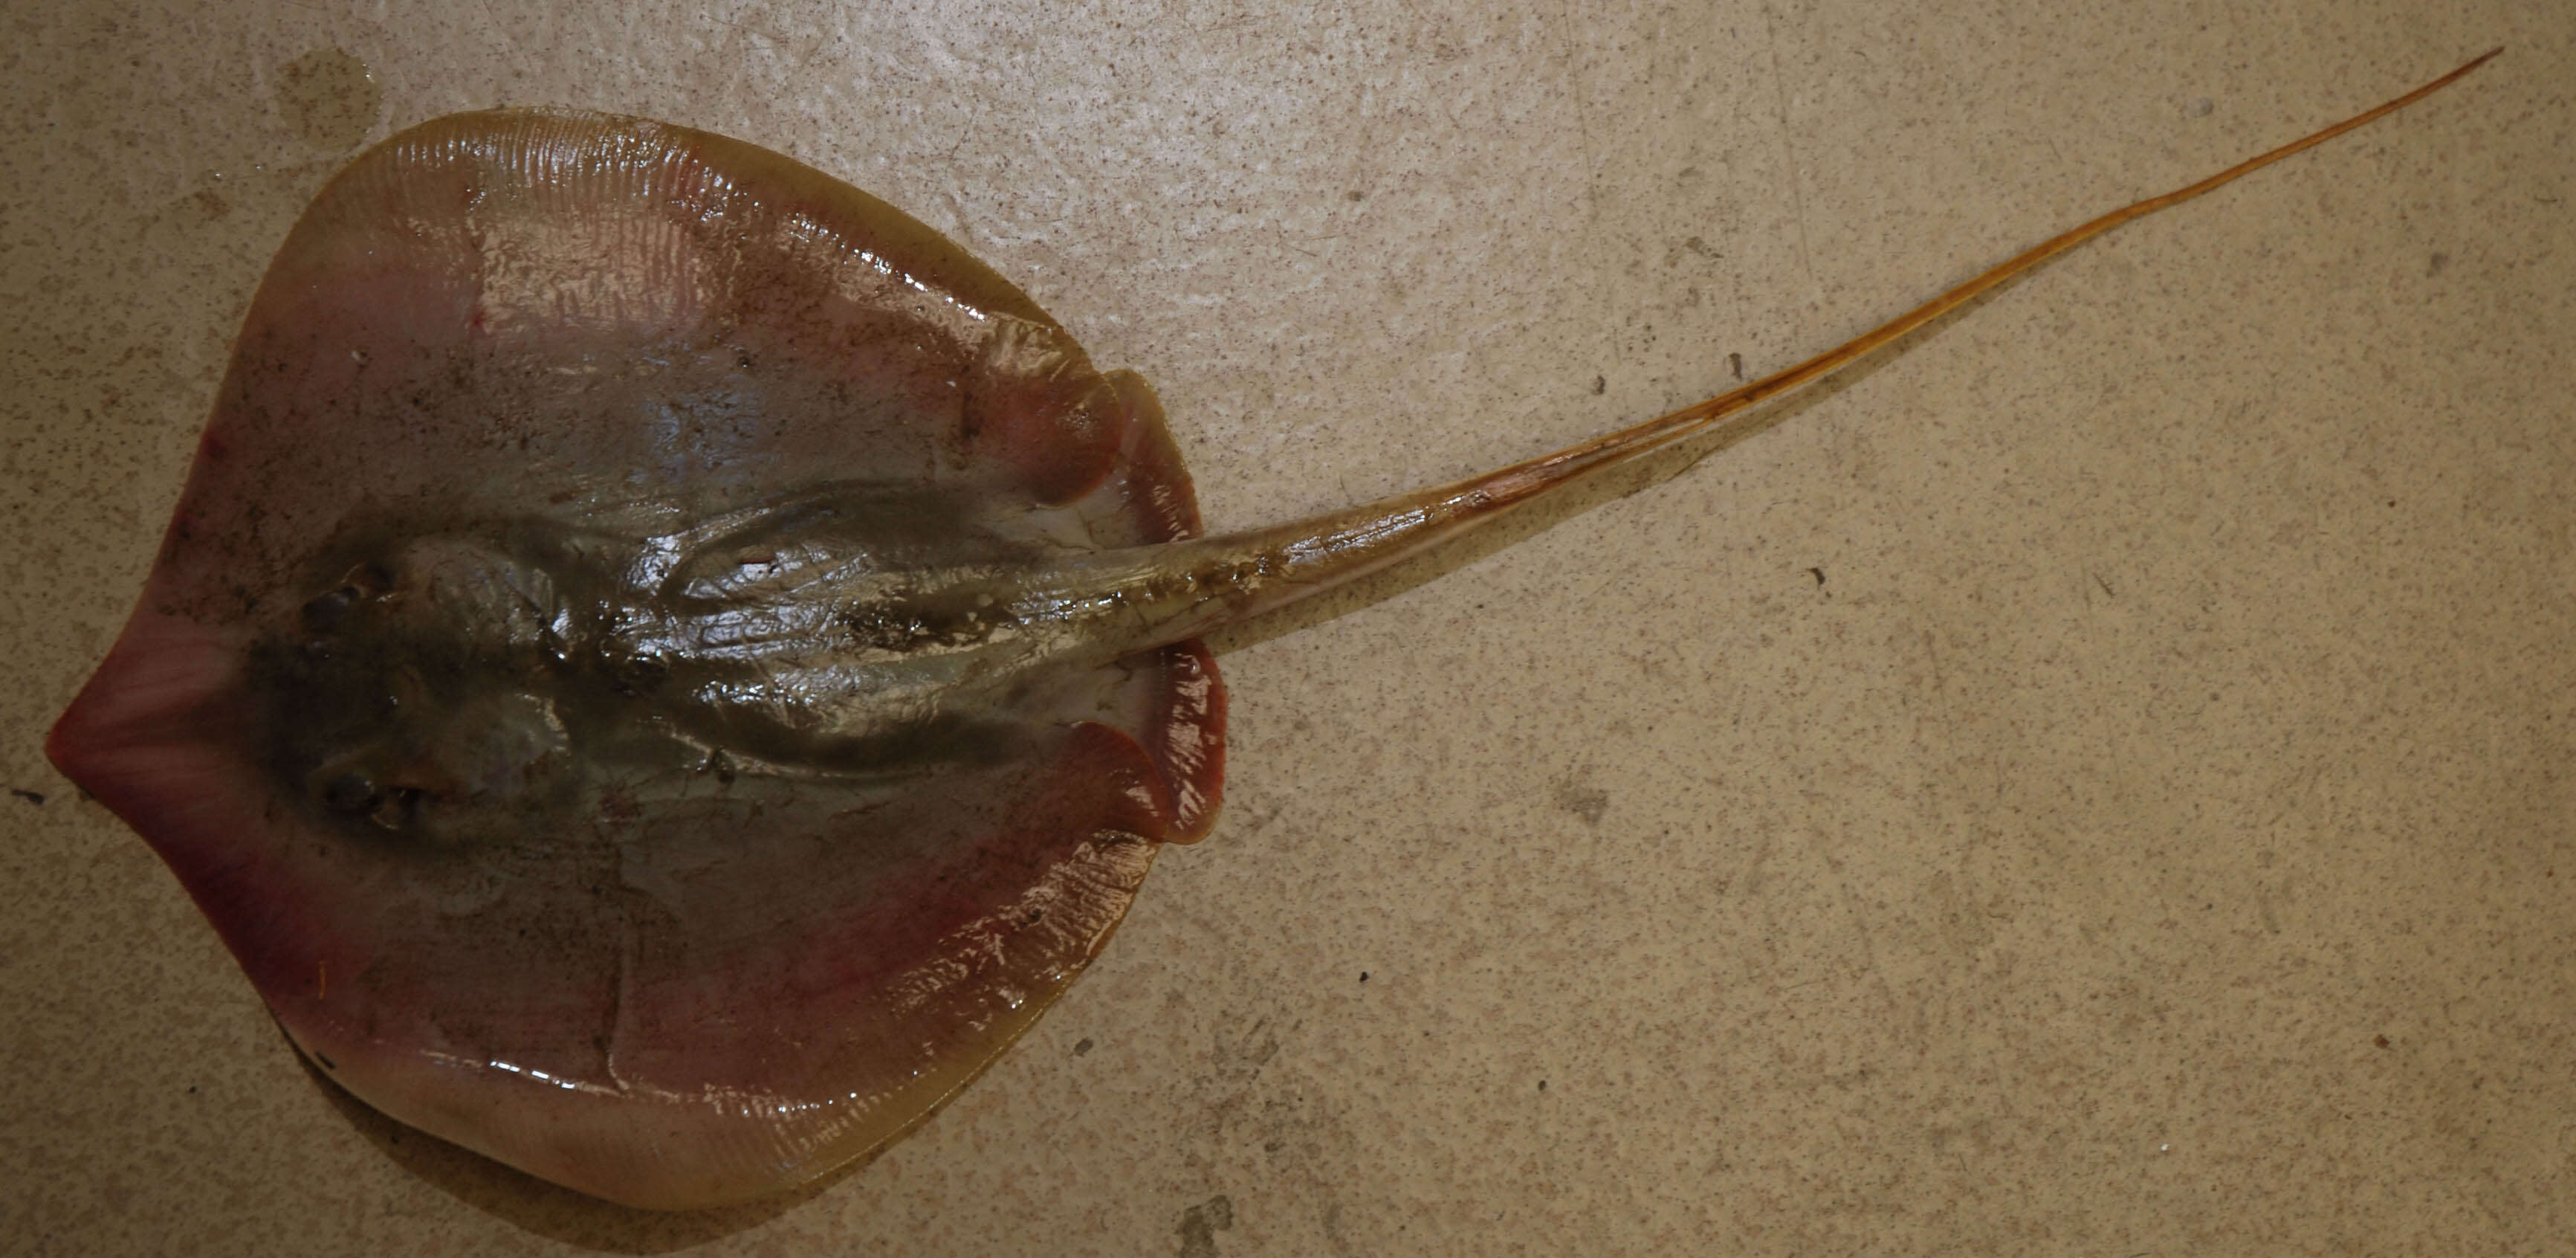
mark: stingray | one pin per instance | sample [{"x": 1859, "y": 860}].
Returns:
[{"x": 664, "y": 666}]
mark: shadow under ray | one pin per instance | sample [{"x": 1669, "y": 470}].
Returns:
[{"x": 551, "y": 1210}]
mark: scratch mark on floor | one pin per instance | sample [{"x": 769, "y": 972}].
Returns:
[{"x": 1788, "y": 152}]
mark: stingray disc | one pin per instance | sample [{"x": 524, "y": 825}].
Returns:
[{"x": 497, "y": 695}]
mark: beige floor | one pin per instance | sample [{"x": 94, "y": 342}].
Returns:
[{"x": 2099, "y": 783}]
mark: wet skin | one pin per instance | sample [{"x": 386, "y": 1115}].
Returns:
[{"x": 664, "y": 666}]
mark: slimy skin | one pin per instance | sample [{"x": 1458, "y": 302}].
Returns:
[
  {"x": 664, "y": 666},
  {"x": 504, "y": 693}
]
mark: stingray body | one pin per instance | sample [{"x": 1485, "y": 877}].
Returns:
[{"x": 664, "y": 666}]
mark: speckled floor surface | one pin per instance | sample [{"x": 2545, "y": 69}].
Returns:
[{"x": 2098, "y": 782}]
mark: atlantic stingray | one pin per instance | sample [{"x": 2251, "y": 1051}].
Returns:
[{"x": 664, "y": 666}]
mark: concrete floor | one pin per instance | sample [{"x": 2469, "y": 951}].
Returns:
[{"x": 2100, "y": 782}]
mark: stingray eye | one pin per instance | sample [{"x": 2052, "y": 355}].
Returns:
[
  {"x": 350, "y": 791},
  {"x": 394, "y": 807},
  {"x": 355, "y": 792},
  {"x": 367, "y": 580},
  {"x": 324, "y": 612}
]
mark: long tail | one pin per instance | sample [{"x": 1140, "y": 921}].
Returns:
[
  {"x": 1519, "y": 481},
  {"x": 1184, "y": 589}
]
